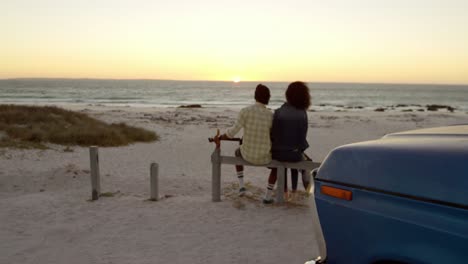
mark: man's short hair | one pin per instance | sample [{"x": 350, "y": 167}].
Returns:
[{"x": 262, "y": 94}]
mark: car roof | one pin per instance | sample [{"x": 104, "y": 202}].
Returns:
[{"x": 445, "y": 131}]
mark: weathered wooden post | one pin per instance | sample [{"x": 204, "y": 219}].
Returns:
[
  {"x": 216, "y": 175},
  {"x": 280, "y": 188},
  {"x": 95, "y": 178},
  {"x": 154, "y": 181}
]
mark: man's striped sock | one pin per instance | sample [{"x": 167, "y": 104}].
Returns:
[
  {"x": 240, "y": 176},
  {"x": 269, "y": 191}
]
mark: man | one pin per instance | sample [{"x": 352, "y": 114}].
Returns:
[{"x": 256, "y": 121}]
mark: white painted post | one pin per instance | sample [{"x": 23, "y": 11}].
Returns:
[
  {"x": 95, "y": 178},
  {"x": 216, "y": 175},
  {"x": 280, "y": 188},
  {"x": 154, "y": 181}
]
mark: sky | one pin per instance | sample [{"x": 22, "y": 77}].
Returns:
[{"x": 398, "y": 41}]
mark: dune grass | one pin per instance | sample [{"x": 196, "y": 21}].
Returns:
[{"x": 33, "y": 126}]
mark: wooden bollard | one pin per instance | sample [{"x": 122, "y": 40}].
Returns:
[
  {"x": 95, "y": 178},
  {"x": 154, "y": 181},
  {"x": 216, "y": 175}
]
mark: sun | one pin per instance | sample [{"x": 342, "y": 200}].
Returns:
[{"x": 236, "y": 79}]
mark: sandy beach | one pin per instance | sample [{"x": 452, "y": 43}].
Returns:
[{"x": 46, "y": 217}]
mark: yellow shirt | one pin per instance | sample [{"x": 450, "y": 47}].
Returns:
[{"x": 256, "y": 121}]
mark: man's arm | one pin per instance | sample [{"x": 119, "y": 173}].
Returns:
[{"x": 240, "y": 123}]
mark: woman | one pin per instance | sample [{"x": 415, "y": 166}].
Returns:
[{"x": 288, "y": 133}]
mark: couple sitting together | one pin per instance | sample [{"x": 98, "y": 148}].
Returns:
[{"x": 281, "y": 136}]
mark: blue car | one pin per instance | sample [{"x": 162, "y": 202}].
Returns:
[{"x": 399, "y": 199}]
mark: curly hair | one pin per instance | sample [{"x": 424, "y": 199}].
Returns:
[
  {"x": 298, "y": 95},
  {"x": 262, "y": 94}
]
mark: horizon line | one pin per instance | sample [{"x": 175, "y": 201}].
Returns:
[{"x": 257, "y": 81}]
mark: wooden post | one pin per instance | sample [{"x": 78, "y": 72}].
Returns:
[
  {"x": 280, "y": 188},
  {"x": 154, "y": 181},
  {"x": 216, "y": 175},
  {"x": 95, "y": 178}
]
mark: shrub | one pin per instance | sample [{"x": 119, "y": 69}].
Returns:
[{"x": 31, "y": 126}]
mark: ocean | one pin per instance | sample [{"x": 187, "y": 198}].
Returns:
[{"x": 168, "y": 93}]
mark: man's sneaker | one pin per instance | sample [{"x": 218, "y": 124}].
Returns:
[
  {"x": 270, "y": 201},
  {"x": 241, "y": 192}
]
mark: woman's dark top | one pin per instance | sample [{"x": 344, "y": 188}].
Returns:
[{"x": 288, "y": 133}]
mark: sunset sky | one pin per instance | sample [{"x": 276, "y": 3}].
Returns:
[{"x": 404, "y": 41}]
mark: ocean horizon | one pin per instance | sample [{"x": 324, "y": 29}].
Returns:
[{"x": 172, "y": 93}]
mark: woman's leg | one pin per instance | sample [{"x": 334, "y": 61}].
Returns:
[
  {"x": 305, "y": 179},
  {"x": 294, "y": 179},
  {"x": 285, "y": 180}
]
